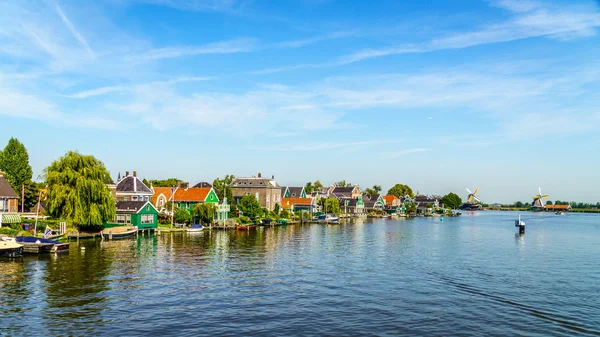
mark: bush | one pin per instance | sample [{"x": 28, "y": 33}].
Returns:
[
  {"x": 245, "y": 219},
  {"x": 9, "y": 231}
]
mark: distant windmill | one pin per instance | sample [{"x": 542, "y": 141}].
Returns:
[
  {"x": 538, "y": 201},
  {"x": 472, "y": 199}
]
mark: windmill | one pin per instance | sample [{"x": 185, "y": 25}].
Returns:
[
  {"x": 472, "y": 199},
  {"x": 538, "y": 200}
]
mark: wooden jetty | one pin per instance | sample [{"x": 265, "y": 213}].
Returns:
[{"x": 36, "y": 248}]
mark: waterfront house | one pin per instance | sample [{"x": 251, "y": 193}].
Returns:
[
  {"x": 131, "y": 188},
  {"x": 392, "y": 200},
  {"x": 373, "y": 202},
  {"x": 285, "y": 191},
  {"x": 266, "y": 190},
  {"x": 427, "y": 203},
  {"x": 9, "y": 200},
  {"x": 160, "y": 197},
  {"x": 294, "y": 192},
  {"x": 339, "y": 192},
  {"x": 187, "y": 198},
  {"x": 297, "y": 204},
  {"x": 352, "y": 206},
  {"x": 9, "y": 203},
  {"x": 140, "y": 213}
]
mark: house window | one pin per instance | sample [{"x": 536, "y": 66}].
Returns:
[
  {"x": 120, "y": 218},
  {"x": 134, "y": 198},
  {"x": 147, "y": 208},
  {"x": 162, "y": 202},
  {"x": 147, "y": 219},
  {"x": 256, "y": 195},
  {"x": 3, "y": 208},
  {"x": 125, "y": 198},
  {"x": 187, "y": 205},
  {"x": 128, "y": 218},
  {"x": 267, "y": 198}
]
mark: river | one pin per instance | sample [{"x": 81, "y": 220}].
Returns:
[{"x": 470, "y": 275}]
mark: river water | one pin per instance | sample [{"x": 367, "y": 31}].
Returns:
[{"x": 468, "y": 276}]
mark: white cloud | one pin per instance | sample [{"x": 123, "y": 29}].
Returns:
[
  {"x": 74, "y": 30},
  {"x": 225, "y": 47},
  {"x": 97, "y": 92}
]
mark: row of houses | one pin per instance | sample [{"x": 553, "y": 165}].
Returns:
[{"x": 139, "y": 205}]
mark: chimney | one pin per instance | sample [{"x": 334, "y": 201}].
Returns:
[
  {"x": 134, "y": 173},
  {"x": 273, "y": 177},
  {"x": 259, "y": 175},
  {"x": 126, "y": 173}
]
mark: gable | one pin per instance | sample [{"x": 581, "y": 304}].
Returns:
[{"x": 211, "y": 197}]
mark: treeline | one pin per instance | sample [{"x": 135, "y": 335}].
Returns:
[{"x": 574, "y": 204}]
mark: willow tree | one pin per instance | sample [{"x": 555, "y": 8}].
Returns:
[
  {"x": 77, "y": 191},
  {"x": 205, "y": 212}
]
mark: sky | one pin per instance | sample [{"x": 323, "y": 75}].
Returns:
[{"x": 500, "y": 95}]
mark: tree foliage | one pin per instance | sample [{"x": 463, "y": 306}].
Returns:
[
  {"x": 373, "y": 190},
  {"x": 171, "y": 182},
  {"x": 14, "y": 163},
  {"x": 31, "y": 195},
  {"x": 411, "y": 208},
  {"x": 343, "y": 183},
  {"x": 400, "y": 190},
  {"x": 313, "y": 187},
  {"x": 182, "y": 216},
  {"x": 223, "y": 187},
  {"x": 205, "y": 212},
  {"x": 77, "y": 191},
  {"x": 549, "y": 202},
  {"x": 276, "y": 209},
  {"x": 285, "y": 214},
  {"x": 250, "y": 206},
  {"x": 332, "y": 205},
  {"x": 452, "y": 200}
]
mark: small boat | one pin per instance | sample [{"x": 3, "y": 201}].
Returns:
[
  {"x": 33, "y": 245},
  {"x": 245, "y": 227},
  {"x": 119, "y": 233},
  {"x": 10, "y": 249},
  {"x": 327, "y": 218},
  {"x": 560, "y": 213},
  {"x": 57, "y": 247},
  {"x": 519, "y": 222},
  {"x": 195, "y": 228}
]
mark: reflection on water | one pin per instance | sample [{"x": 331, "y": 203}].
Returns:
[{"x": 467, "y": 275}]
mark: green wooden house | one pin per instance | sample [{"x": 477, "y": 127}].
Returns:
[
  {"x": 293, "y": 192},
  {"x": 141, "y": 214}
]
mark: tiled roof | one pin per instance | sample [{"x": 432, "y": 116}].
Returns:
[
  {"x": 166, "y": 191},
  {"x": 132, "y": 184},
  {"x": 203, "y": 184},
  {"x": 288, "y": 203},
  {"x": 390, "y": 198},
  {"x": 130, "y": 206},
  {"x": 296, "y": 192},
  {"x": 192, "y": 194},
  {"x": 5, "y": 189},
  {"x": 255, "y": 183}
]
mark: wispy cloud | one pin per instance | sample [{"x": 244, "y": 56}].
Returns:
[
  {"x": 225, "y": 47},
  {"x": 73, "y": 30},
  {"x": 97, "y": 92},
  {"x": 396, "y": 154},
  {"x": 316, "y": 39}
]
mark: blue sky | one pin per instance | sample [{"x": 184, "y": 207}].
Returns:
[{"x": 500, "y": 95}]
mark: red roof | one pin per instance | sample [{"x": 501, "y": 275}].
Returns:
[
  {"x": 389, "y": 199},
  {"x": 288, "y": 203},
  {"x": 564, "y": 207},
  {"x": 166, "y": 191},
  {"x": 192, "y": 194}
]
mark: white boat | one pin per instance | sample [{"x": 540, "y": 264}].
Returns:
[
  {"x": 195, "y": 228},
  {"x": 519, "y": 223},
  {"x": 10, "y": 249},
  {"x": 560, "y": 213}
]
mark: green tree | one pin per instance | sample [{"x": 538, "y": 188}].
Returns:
[
  {"x": 518, "y": 204},
  {"x": 343, "y": 183},
  {"x": 285, "y": 214},
  {"x": 332, "y": 205},
  {"x": 549, "y": 202},
  {"x": 451, "y": 200},
  {"x": 400, "y": 190},
  {"x": 223, "y": 187},
  {"x": 276, "y": 209},
  {"x": 250, "y": 206},
  {"x": 317, "y": 185},
  {"x": 411, "y": 208},
  {"x": 31, "y": 195},
  {"x": 77, "y": 192},
  {"x": 373, "y": 190},
  {"x": 14, "y": 163},
  {"x": 205, "y": 212},
  {"x": 171, "y": 182},
  {"x": 309, "y": 188},
  {"x": 182, "y": 216}
]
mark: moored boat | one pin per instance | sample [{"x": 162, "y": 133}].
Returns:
[
  {"x": 10, "y": 249},
  {"x": 245, "y": 227},
  {"x": 42, "y": 244},
  {"x": 119, "y": 233},
  {"x": 560, "y": 213},
  {"x": 195, "y": 228}
]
